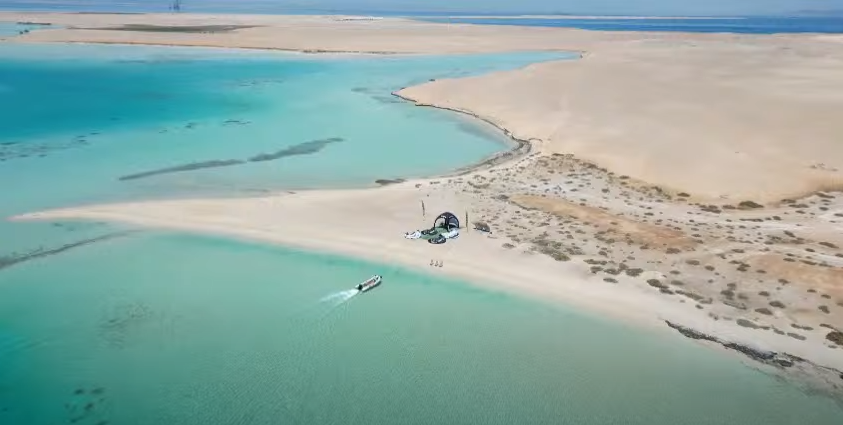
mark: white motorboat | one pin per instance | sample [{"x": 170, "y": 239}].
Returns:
[{"x": 370, "y": 283}]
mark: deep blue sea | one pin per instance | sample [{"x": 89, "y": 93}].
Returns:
[{"x": 749, "y": 25}]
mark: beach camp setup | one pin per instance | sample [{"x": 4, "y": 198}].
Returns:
[{"x": 446, "y": 226}]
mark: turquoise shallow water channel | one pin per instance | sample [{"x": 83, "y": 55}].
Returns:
[
  {"x": 77, "y": 119},
  {"x": 160, "y": 328},
  {"x": 87, "y": 123}
]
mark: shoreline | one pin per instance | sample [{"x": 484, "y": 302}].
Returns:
[
  {"x": 584, "y": 217},
  {"x": 521, "y": 148},
  {"x": 789, "y": 360},
  {"x": 315, "y": 52},
  {"x": 220, "y": 47},
  {"x": 817, "y": 376}
]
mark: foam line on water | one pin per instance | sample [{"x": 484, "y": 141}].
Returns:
[
  {"x": 337, "y": 301},
  {"x": 323, "y": 307},
  {"x": 338, "y": 298}
]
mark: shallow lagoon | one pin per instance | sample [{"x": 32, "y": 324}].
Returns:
[
  {"x": 161, "y": 328},
  {"x": 157, "y": 328},
  {"x": 79, "y": 119},
  {"x": 12, "y": 29},
  {"x": 125, "y": 110}
]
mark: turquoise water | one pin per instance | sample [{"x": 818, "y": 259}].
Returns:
[
  {"x": 78, "y": 118},
  {"x": 11, "y": 29},
  {"x": 124, "y": 111},
  {"x": 157, "y": 328},
  {"x": 163, "y": 328}
]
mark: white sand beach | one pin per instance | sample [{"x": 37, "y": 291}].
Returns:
[
  {"x": 370, "y": 223},
  {"x": 654, "y": 191}
]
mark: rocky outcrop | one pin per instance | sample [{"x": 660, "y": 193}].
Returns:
[
  {"x": 820, "y": 378},
  {"x": 384, "y": 182}
]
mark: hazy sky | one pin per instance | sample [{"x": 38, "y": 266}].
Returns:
[{"x": 636, "y": 7}]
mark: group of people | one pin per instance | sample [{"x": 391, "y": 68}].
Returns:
[{"x": 437, "y": 263}]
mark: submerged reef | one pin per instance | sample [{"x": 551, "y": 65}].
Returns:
[
  {"x": 185, "y": 167},
  {"x": 87, "y": 406},
  {"x": 15, "y": 259},
  {"x": 18, "y": 150},
  {"x": 305, "y": 148},
  {"x": 120, "y": 325}
]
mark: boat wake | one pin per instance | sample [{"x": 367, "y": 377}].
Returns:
[
  {"x": 323, "y": 308},
  {"x": 336, "y": 300},
  {"x": 341, "y": 297}
]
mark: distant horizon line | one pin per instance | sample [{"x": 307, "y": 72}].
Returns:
[{"x": 411, "y": 13}]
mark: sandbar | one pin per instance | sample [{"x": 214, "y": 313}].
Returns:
[
  {"x": 689, "y": 178},
  {"x": 723, "y": 117}
]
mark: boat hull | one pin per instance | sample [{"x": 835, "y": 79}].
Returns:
[{"x": 370, "y": 284}]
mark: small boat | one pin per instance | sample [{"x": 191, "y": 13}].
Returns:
[{"x": 370, "y": 283}]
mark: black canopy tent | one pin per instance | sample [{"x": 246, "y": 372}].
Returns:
[{"x": 447, "y": 221}]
